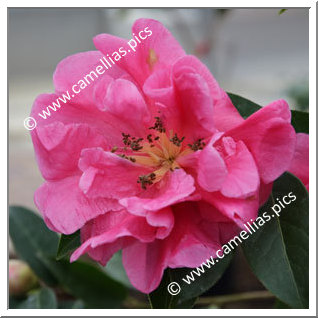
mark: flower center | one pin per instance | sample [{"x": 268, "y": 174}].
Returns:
[{"x": 157, "y": 151}]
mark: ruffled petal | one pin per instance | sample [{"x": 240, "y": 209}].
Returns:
[
  {"x": 300, "y": 163},
  {"x": 242, "y": 179},
  {"x": 195, "y": 106},
  {"x": 158, "y": 50},
  {"x": 225, "y": 115},
  {"x": 212, "y": 170},
  {"x": 58, "y": 147},
  {"x": 113, "y": 231},
  {"x": 238, "y": 210},
  {"x": 270, "y": 137},
  {"x": 105, "y": 174},
  {"x": 65, "y": 208},
  {"x": 80, "y": 70},
  {"x": 176, "y": 187}
]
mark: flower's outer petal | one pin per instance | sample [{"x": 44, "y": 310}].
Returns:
[
  {"x": 144, "y": 264},
  {"x": 194, "y": 103},
  {"x": 64, "y": 206},
  {"x": 225, "y": 115},
  {"x": 270, "y": 137},
  {"x": 80, "y": 70},
  {"x": 238, "y": 210},
  {"x": 128, "y": 105},
  {"x": 104, "y": 123},
  {"x": 212, "y": 170},
  {"x": 103, "y": 236},
  {"x": 159, "y": 50},
  {"x": 163, "y": 220},
  {"x": 265, "y": 191},
  {"x": 176, "y": 187},
  {"x": 191, "y": 242},
  {"x": 242, "y": 179},
  {"x": 105, "y": 174},
  {"x": 193, "y": 239},
  {"x": 159, "y": 87},
  {"x": 300, "y": 163},
  {"x": 58, "y": 147}
]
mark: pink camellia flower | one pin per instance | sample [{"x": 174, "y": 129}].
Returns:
[
  {"x": 300, "y": 163},
  {"x": 153, "y": 158}
]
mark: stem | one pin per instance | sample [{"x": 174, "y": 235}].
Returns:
[
  {"x": 220, "y": 300},
  {"x": 149, "y": 300}
]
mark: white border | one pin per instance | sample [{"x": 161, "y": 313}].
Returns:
[{"x": 156, "y": 312}]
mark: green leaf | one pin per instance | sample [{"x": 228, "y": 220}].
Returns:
[
  {"x": 32, "y": 240},
  {"x": 245, "y": 107},
  {"x": 161, "y": 298},
  {"x": 39, "y": 299},
  {"x": 278, "y": 252},
  {"x": 281, "y": 11},
  {"x": 67, "y": 244},
  {"x": 89, "y": 283},
  {"x": 280, "y": 305},
  {"x": 300, "y": 120},
  {"x": 115, "y": 270},
  {"x": 71, "y": 304},
  {"x": 37, "y": 245}
]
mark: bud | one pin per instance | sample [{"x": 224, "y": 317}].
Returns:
[{"x": 21, "y": 278}]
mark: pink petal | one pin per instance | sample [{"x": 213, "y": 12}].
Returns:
[
  {"x": 212, "y": 170},
  {"x": 111, "y": 232},
  {"x": 81, "y": 66},
  {"x": 239, "y": 211},
  {"x": 105, "y": 174},
  {"x": 163, "y": 220},
  {"x": 242, "y": 179},
  {"x": 195, "y": 104},
  {"x": 128, "y": 105},
  {"x": 157, "y": 51},
  {"x": 175, "y": 188},
  {"x": 193, "y": 239},
  {"x": 270, "y": 137},
  {"x": 191, "y": 242},
  {"x": 300, "y": 162},
  {"x": 108, "y": 126},
  {"x": 144, "y": 264},
  {"x": 64, "y": 207},
  {"x": 264, "y": 192},
  {"x": 58, "y": 147},
  {"x": 225, "y": 115}
]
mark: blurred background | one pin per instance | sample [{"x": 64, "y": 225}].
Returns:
[{"x": 256, "y": 53}]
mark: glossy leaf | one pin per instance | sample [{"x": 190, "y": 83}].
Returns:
[
  {"x": 300, "y": 120},
  {"x": 116, "y": 270},
  {"x": 161, "y": 298},
  {"x": 39, "y": 299},
  {"x": 88, "y": 282},
  {"x": 33, "y": 241},
  {"x": 67, "y": 244},
  {"x": 278, "y": 252}
]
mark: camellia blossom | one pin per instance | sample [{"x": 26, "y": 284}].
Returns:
[{"x": 153, "y": 159}]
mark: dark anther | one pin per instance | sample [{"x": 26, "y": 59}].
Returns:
[
  {"x": 158, "y": 125},
  {"x": 132, "y": 142},
  {"x": 126, "y": 139},
  {"x": 135, "y": 144},
  {"x": 147, "y": 179},
  {"x": 149, "y": 137},
  {"x": 177, "y": 141},
  {"x": 197, "y": 145}
]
